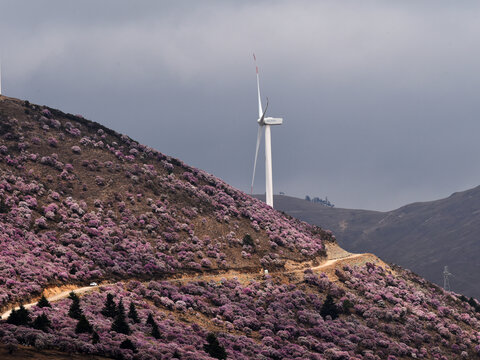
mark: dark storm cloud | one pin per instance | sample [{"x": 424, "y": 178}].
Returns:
[{"x": 380, "y": 98}]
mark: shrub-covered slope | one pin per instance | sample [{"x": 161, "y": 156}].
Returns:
[
  {"x": 423, "y": 236},
  {"x": 374, "y": 315},
  {"x": 81, "y": 203}
]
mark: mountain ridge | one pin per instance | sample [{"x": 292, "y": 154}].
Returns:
[{"x": 422, "y": 236}]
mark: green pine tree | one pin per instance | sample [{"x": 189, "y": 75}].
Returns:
[
  {"x": 73, "y": 296},
  {"x": 247, "y": 240},
  {"x": 132, "y": 313},
  {"x": 42, "y": 322},
  {"x": 43, "y": 302},
  {"x": 95, "y": 338},
  {"x": 155, "y": 331},
  {"x": 120, "y": 324},
  {"x": 347, "y": 306},
  {"x": 75, "y": 310},
  {"x": 472, "y": 302},
  {"x": 213, "y": 348},
  {"x": 23, "y": 316},
  {"x": 329, "y": 308},
  {"x": 127, "y": 344},
  {"x": 20, "y": 317},
  {"x": 150, "y": 320},
  {"x": 83, "y": 325},
  {"x": 110, "y": 309},
  {"x": 12, "y": 318},
  {"x": 73, "y": 270},
  {"x": 4, "y": 208}
]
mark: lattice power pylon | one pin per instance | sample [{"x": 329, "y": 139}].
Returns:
[{"x": 446, "y": 280}]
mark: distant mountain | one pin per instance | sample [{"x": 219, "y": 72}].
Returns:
[
  {"x": 170, "y": 262},
  {"x": 423, "y": 236}
]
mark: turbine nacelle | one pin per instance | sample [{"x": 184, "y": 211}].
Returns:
[
  {"x": 268, "y": 120},
  {"x": 272, "y": 121}
]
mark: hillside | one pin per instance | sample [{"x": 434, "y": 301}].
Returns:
[
  {"x": 178, "y": 254},
  {"x": 423, "y": 237}
]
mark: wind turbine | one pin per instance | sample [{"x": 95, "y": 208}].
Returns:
[
  {"x": 265, "y": 123},
  {"x": 0, "y": 76}
]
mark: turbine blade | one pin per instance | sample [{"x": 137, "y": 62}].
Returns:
[
  {"x": 259, "y": 139},
  {"x": 258, "y": 88},
  {"x": 264, "y": 112}
]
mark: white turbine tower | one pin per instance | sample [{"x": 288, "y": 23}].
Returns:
[
  {"x": 265, "y": 122},
  {"x": 0, "y": 76}
]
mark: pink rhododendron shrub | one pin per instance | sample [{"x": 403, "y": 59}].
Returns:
[
  {"x": 104, "y": 208},
  {"x": 284, "y": 319}
]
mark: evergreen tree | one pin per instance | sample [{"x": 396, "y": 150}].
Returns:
[
  {"x": 329, "y": 308},
  {"x": 120, "y": 324},
  {"x": 110, "y": 309},
  {"x": 43, "y": 302},
  {"x": 347, "y": 305},
  {"x": 12, "y": 318},
  {"x": 19, "y": 317},
  {"x": 132, "y": 313},
  {"x": 121, "y": 308},
  {"x": 75, "y": 310},
  {"x": 150, "y": 320},
  {"x": 213, "y": 348},
  {"x": 95, "y": 338},
  {"x": 472, "y": 302},
  {"x": 73, "y": 270},
  {"x": 247, "y": 240},
  {"x": 73, "y": 296},
  {"x": 23, "y": 315},
  {"x": 127, "y": 344},
  {"x": 4, "y": 208},
  {"x": 155, "y": 331},
  {"x": 42, "y": 322},
  {"x": 83, "y": 325}
]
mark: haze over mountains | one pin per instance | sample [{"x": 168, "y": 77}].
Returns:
[
  {"x": 186, "y": 254},
  {"x": 423, "y": 237}
]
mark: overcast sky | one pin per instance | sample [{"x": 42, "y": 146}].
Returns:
[{"x": 380, "y": 98}]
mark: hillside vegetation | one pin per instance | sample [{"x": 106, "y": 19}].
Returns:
[
  {"x": 180, "y": 258},
  {"x": 423, "y": 237},
  {"x": 80, "y": 203}
]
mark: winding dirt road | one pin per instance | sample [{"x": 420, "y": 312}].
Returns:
[
  {"x": 56, "y": 297},
  {"x": 334, "y": 257}
]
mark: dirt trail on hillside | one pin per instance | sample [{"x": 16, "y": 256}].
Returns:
[
  {"x": 56, "y": 297},
  {"x": 335, "y": 256}
]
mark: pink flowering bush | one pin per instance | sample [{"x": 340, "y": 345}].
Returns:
[
  {"x": 154, "y": 226},
  {"x": 265, "y": 316},
  {"x": 105, "y": 208}
]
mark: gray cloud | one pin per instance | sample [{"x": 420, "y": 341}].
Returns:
[{"x": 379, "y": 97}]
